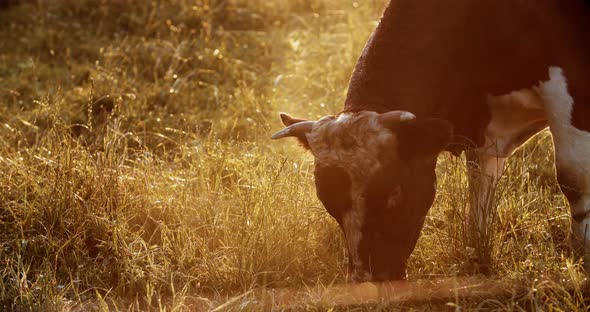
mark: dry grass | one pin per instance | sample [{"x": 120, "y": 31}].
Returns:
[{"x": 138, "y": 174}]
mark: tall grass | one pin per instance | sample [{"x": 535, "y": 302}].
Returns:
[{"x": 138, "y": 174}]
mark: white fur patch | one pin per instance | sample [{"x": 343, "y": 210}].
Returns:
[
  {"x": 572, "y": 146},
  {"x": 515, "y": 117},
  {"x": 352, "y": 142},
  {"x": 353, "y": 223}
]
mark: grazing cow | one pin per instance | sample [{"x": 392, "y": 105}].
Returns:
[{"x": 463, "y": 75}]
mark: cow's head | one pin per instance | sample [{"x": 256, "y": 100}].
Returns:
[{"x": 374, "y": 173}]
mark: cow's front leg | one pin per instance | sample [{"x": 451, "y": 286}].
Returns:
[
  {"x": 515, "y": 117},
  {"x": 484, "y": 172}
]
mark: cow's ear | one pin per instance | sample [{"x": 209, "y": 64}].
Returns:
[
  {"x": 423, "y": 137},
  {"x": 295, "y": 131}
]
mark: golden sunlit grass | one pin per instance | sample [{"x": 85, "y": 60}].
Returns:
[{"x": 138, "y": 173}]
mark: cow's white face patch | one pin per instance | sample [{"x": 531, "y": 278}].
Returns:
[
  {"x": 572, "y": 151},
  {"x": 354, "y": 143}
]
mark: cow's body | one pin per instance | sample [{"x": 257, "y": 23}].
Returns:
[
  {"x": 443, "y": 58},
  {"x": 499, "y": 72}
]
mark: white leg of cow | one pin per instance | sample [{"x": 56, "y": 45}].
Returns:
[
  {"x": 515, "y": 118},
  {"x": 572, "y": 152},
  {"x": 483, "y": 174}
]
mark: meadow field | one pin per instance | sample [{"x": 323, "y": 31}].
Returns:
[{"x": 137, "y": 171}]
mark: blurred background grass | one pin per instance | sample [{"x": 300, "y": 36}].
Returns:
[{"x": 137, "y": 171}]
